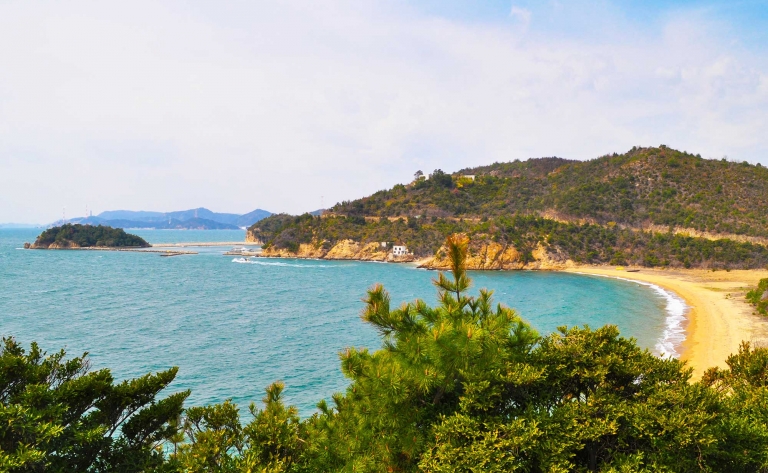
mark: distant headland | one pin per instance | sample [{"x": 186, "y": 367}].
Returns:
[{"x": 193, "y": 219}]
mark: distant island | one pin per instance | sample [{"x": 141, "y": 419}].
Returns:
[
  {"x": 649, "y": 207},
  {"x": 72, "y": 236},
  {"x": 193, "y": 219}
]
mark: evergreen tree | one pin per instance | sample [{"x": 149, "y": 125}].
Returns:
[{"x": 56, "y": 415}]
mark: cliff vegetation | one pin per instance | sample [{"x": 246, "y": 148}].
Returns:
[{"x": 507, "y": 242}]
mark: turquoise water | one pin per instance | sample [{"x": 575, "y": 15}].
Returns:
[{"x": 233, "y": 328}]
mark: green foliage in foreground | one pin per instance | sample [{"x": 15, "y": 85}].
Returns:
[
  {"x": 755, "y": 297},
  {"x": 466, "y": 386},
  {"x": 56, "y": 415},
  {"x": 89, "y": 235}
]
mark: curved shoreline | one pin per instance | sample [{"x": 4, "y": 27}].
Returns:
[
  {"x": 718, "y": 317},
  {"x": 674, "y": 335}
]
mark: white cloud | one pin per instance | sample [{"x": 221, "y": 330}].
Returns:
[
  {"x": 243, "y": 105},
  {"x": 521, "y": 15}
]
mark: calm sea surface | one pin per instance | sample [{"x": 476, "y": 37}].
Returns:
[{"x": 233, "y": 328}]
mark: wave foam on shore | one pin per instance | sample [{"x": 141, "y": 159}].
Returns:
[
  {"x": 288, "y": 265},
  {"x": 673, "y": 336}
]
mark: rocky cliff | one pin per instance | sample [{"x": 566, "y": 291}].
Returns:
[
  {"x": 56, "y": 245},
  {"x": 343, "y": 250},
  {"x": 495, "y": 256},
  {"x": 250, "y": 237},
  {"x": 482, "y": 256}
]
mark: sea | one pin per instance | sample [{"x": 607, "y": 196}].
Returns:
[{"x": 234, "y": 325}]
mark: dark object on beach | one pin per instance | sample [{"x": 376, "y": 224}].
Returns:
[{"x": 633, "y": 270}]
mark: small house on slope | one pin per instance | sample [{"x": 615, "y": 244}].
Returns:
[{"x": 399, "y": 250}]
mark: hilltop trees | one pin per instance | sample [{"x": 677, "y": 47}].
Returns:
[
  {"x": 439, "y": 179},
  {"x": 660, "y": 185}
]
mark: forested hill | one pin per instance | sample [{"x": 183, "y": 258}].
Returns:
[
  {"x": 85, "y": 236},
  {"x": 648, "y": 207},
  {"x": 644, "y": 187}
]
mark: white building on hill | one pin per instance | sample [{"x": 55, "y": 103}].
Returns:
[{"x": 399, "y": 250}]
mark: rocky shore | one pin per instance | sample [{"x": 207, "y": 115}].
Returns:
[
  {"x": 495, "y": 256},
  {"x": 343, "y": 250},
  {"x": 486, "y": 256}
]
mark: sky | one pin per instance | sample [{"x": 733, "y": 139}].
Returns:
[{"x": 291, "y": 106}]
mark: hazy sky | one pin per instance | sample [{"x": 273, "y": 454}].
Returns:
[{"x": 238, "y": 105}]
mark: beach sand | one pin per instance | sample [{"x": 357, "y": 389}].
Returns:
[{"x": 718, "y": 319}]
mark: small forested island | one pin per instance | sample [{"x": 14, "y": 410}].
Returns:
[
  {"x": 72, "y": 236},
  {"x": 649, "y": 207}
]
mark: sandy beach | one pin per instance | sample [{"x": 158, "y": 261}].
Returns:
[{"x": 718, "y": 319}]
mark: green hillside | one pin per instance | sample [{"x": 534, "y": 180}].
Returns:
[
  {"x": 620, "y": 209},
  {"x": 582, "y": 243},
  {"x": 645, "y": 186}
]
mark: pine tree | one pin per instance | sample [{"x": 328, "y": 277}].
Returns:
[
  {"x": 430, "y": 357},
  {"x": 57, "y": 415}
]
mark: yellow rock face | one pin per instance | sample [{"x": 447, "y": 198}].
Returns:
[
  {"x": 305, "y": 251},
  {"x": 60, "y": 245},
  {"x": 251, "y": 238},
  {"x": 482, "y": 256},
  {"x": 495, "y": 256},
  {"x": 343, "y": 250}
]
